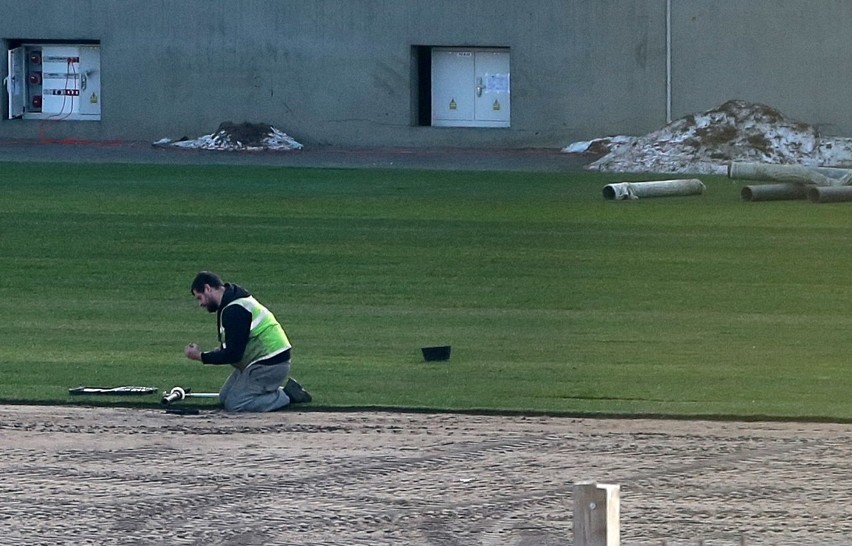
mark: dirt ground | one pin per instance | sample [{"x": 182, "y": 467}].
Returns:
[{"x": 82, "y": 475}]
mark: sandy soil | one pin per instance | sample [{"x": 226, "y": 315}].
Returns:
[{"x": 78, "y": 475}]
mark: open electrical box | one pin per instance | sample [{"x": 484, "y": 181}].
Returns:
[{"x": 54, "y": 81}]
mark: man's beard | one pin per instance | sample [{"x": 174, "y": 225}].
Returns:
[{"x": 212, "y": 306}]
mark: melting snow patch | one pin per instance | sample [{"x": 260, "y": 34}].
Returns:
[
  {"x": 706, "y": 143},
  {"x": 250, "y": 137}
]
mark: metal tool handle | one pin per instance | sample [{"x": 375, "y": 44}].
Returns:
[{"x": 176, "y": 393}]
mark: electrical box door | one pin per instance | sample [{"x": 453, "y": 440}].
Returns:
[
  {"x": 470, "y": 87},
  {"x": 15, "y": 82},
  {"x": 452, "y": 92},
  {"x": 90, "y": 81},
  {"x": 492, "y": 87}
]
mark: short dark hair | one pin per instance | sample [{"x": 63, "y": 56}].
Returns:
[{"x": 203, "y": 278}]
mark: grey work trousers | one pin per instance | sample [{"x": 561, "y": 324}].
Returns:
[{"x": 256, "y": 389}]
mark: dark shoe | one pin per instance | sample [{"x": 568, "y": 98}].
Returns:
[{"x": 296, "y": 393}]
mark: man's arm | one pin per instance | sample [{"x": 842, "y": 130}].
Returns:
[{"x": 237, "y": 323}]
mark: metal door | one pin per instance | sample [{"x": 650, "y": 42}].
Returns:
[
  {"x": 452, "y": 92},
  {"x": 470, "y": 87},
  {"x": 15, "y": 84},
  {"x": 492, "y": 88},
  {"x": 90, "y": 81}
]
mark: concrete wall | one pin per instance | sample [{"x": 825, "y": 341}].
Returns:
[
  {"x": 794, "y": 55},
  {"x": 340, "y": 72}
]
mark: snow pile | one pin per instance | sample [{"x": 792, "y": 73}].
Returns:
[
  {"x": 705, "y": 143},
  {"x": 246, "y": 136}
]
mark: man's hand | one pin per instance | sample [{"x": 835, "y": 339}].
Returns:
[{"x": 192, "y": 352}]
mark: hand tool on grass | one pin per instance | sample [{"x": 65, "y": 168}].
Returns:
[{"x": 180, "y": 393}]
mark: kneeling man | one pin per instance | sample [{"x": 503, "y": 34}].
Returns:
[{"x": 253, "y": 342}]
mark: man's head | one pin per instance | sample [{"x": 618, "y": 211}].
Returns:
[{"x": 208, "y": 289}]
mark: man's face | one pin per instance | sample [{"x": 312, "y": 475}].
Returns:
[{"x": 206, "y": 299}]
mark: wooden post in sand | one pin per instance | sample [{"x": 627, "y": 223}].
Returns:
[{"x": 596, "y": 514}]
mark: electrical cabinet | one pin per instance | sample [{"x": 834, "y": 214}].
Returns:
[
  {"x": 54, "y": 82},
  {"x": 470, "y": 87}
]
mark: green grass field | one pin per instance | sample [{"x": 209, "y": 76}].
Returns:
[{"x": 553, "y": 299}]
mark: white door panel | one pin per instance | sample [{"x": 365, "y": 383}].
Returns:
[
  {"x": 453, "y": 99},
  {"x": 15, "y": 82},
  {"x": 90, "y": 81},
  {"x": 492, "y": 85}
]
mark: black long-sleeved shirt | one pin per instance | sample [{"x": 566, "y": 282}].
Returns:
[{"x": 235, "y": 322}]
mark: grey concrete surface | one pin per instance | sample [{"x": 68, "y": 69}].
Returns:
[{"x": 532, "y": 160}]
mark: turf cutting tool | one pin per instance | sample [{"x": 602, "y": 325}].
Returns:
[{"x": 180, "y": 393}]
